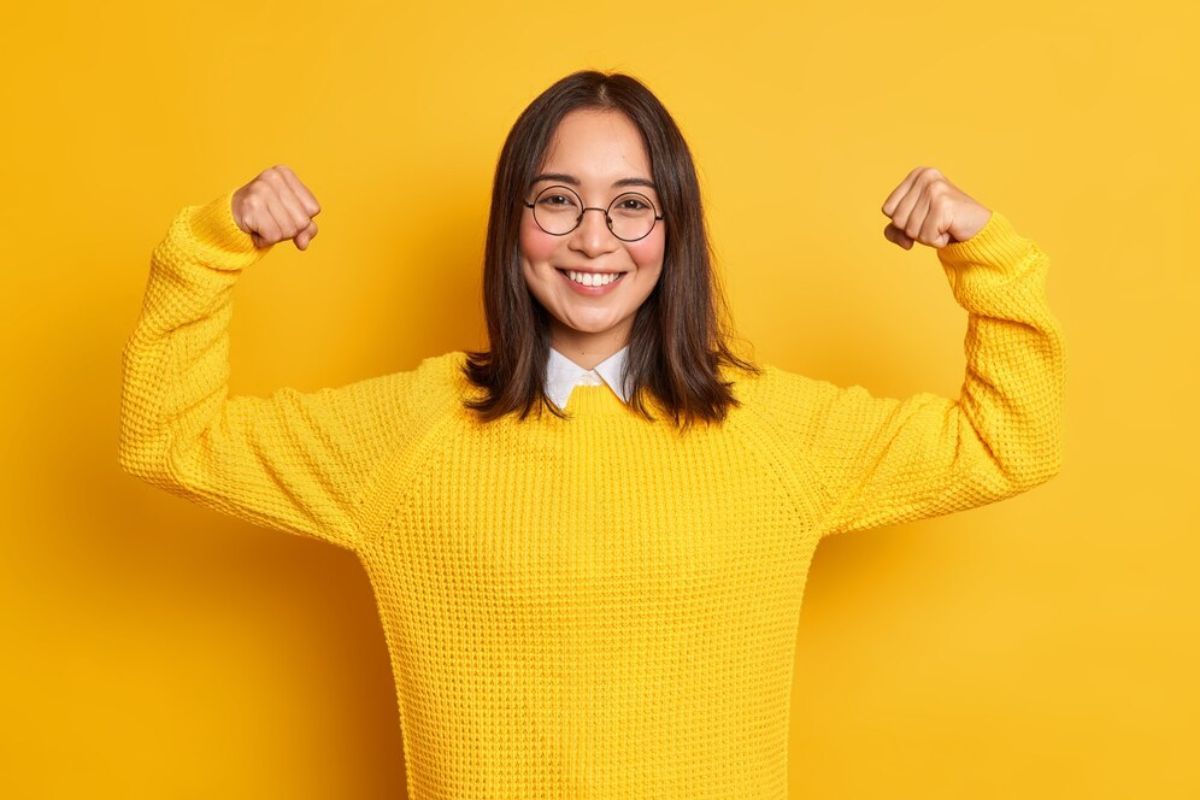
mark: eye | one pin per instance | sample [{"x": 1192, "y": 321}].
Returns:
[
  {"x": 557, "y": 200},
  {"x": 633, "y": 204}
]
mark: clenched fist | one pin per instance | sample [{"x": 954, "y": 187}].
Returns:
[
  {"x": 276, "y": 206},
  {"x": 928, "y": 208}
]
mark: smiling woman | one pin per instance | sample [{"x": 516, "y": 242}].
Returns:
[
  {"x": 597, "y": 211},
  {"x": 589, "y": 604}
]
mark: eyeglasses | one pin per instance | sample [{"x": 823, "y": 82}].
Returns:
[{"x": 558, "y": 210}]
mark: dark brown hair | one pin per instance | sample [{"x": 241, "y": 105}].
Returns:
[{"x": 678, "y": 342}]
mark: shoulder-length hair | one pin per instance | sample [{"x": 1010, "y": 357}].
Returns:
[{"x": 678, "y": 341}]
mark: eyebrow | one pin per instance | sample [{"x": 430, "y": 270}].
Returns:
[{"x": 571, "y": 179}]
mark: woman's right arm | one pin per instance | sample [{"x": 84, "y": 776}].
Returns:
[{"x": 293, "y": 461}]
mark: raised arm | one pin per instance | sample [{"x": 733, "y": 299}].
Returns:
[
  {"x": 293, "y": 461},
  {"x": 882, "y": 461}
]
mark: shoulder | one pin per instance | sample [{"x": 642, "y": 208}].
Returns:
[
  {"x": 773, "y": 385},
  {"x": 445, "y": 374},
  {"x": 407, "y": 395},
  {"x": 786, "y": 400},
  {"x": 435, "y": 381},
  {"x": 441, "y": 384},
  {"x": 440, "y": 369}
]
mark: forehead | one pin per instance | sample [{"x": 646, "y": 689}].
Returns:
[{"x": 598, "y": 147}]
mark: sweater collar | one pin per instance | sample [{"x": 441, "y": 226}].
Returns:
[{"x": 563, "y": 375}]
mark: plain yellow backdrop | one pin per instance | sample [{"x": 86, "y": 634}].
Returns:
[{"x": 1044, "y": 647}]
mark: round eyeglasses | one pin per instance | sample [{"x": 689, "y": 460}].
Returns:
[{"x": 558, "y": 210}]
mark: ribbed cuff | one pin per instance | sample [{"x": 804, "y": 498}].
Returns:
[
  {"x": 996, "y": 244},
  {"x": 216, "y": 234}
]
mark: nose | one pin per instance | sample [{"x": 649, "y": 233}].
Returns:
[{"x": 593, "y": 236}]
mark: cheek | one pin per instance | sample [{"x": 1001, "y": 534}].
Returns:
[
  {"x": 648, "y": 253},
  {"x": 536, "y": 245}
]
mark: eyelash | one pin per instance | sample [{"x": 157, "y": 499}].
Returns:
[{"x": 564, "y": 197}]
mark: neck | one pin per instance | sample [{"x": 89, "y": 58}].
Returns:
[{"x": 588, "y": 349}]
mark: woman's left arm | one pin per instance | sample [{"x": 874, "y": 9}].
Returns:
[{"x": 885, "y": 460}]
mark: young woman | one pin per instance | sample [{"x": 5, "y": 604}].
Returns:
[{"x": 589, "y": 543}]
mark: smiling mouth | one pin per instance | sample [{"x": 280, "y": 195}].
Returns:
[{"x": 605, "y": 278}]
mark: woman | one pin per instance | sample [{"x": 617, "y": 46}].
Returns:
[{"x": 601, "y": 600}]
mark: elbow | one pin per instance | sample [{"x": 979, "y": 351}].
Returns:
[
  {"x": 132, "y": 458},
  {"x": 1034, "y": 460},
  {"x": 141, "y": 456},
  {"x": 129, "y": 463},
  {"x": 1039, "y": 471},
  {"x": 131, "y": 447},
  {"x": 1038, "y": 478},
  {"x": 126, "y": 449},
  {"x": 146, "y": 464}
]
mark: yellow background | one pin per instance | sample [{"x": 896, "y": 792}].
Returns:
[{"x": 1041, "y": 647}]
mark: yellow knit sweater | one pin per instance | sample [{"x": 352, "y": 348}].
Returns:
[{"x": 598, "y": 607}]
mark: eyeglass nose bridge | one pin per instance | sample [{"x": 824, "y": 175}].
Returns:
[{"x": 607, "y": 219}]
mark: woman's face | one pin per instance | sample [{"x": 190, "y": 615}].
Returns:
[{"x": 591, "y": 151}]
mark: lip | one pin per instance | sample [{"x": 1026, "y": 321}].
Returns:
[
  {"x": 592, "y": 271},
  {"x": 591, "y": 291}
]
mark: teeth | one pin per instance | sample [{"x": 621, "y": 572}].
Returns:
[{"x": 592, "y": 279}]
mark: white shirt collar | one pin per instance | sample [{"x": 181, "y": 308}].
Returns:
[{"x": 563, "y": 375}]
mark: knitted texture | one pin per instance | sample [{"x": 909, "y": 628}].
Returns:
[{"x": 601, "y": 606}]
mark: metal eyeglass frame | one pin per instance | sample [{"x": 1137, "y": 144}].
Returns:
[{"x": 584, "y": 209}]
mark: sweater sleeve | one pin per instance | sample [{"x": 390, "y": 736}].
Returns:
[
  {"x": 294, "y": 461},
  {"x": 883, "y": 461}
]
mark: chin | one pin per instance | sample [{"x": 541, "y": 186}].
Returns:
[{"x": 584, "y": 327}]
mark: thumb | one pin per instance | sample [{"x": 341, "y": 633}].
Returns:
[
  {"x": 305, "y": 236},
  {"x": 894, "y": 234}
]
